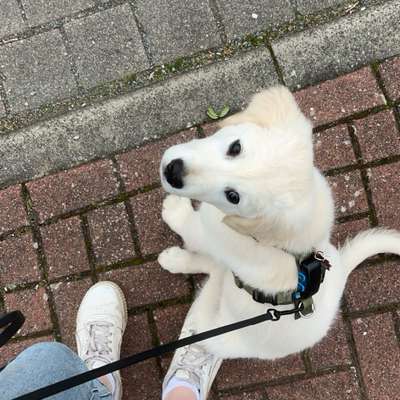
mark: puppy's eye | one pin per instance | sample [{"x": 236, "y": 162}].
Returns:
[
  {"x": 232, "y": 196},
  {"x": 234, "y": 149}
]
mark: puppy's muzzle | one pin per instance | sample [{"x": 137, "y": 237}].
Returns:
[{"x": 174, "y": 173}]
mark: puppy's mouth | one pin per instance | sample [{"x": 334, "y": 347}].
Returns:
[{"x": 195, "y": 204}]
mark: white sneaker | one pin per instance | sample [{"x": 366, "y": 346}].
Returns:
[
  {"x": 193, "y": 365},
  {"x": 100, "y": 324}
]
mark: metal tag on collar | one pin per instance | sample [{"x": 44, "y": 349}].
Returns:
[{"x": 307, "y": 308}]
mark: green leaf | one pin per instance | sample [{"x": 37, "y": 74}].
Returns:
[
  {"x": 224, "y": 111},
  {"x": 211, "y": 113}
]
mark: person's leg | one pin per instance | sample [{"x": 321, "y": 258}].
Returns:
[
  {"x": 43, "y": 364},
  {"x": 181, "y": 393},
  {"x": 101, "y": 322}
]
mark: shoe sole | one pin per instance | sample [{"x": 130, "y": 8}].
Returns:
[{"x": 214, "y": 372}]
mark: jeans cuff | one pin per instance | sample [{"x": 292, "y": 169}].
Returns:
[{"x": 100, "y": 392}]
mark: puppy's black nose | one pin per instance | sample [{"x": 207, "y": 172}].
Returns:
[{"x": 174, "y": 173}]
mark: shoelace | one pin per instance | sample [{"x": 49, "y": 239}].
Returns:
[
  {"x": 99, "y": 340},
  {"x": 193, "y": 360}
]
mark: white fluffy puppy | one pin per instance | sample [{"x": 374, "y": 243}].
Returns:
[{"x": 263, "y": 204}]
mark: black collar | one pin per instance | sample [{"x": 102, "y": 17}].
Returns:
[{"x": 311, "y": 273}]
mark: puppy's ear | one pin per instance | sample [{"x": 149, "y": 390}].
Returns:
[
  {"x": 272, "y": 107},
  {"x": 245, "y": 226}
]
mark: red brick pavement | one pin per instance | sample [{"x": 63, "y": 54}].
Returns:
[{"x": 102, "y": 221}]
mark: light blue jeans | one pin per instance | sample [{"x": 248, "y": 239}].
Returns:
[{"x": 43, "y": 364}]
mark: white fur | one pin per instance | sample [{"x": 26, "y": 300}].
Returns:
[{"x": 286, "y": 204}]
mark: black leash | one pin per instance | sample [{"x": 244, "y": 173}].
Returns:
[
  {"x": 271, "y": 315},
  {"x": 10, "y": 324}
]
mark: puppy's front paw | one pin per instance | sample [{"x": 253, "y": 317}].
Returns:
[
  {"x": 175, "y": 211},
  {"x": 175, "y": 260}
]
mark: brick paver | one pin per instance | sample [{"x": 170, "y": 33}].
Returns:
[
  {"x": 339, "y": 386},
  {"x": 378, "y": 136},
  {"x": 210, "y": 128},
  {"x": 86, "y": 219},
  {"x": 341, "y": 152},
  {"x": 169, "y": 321},
  {"x": 111, "y": 234},
  {"x": 18, "y": 260},
  {"x": 145, "y": 284},
  {"x": 70, "y": 190},
  {"x": 379, "y": 353},
  {"x": 338, "y": 98},
  {"x": 390, "y": 71},
  {"x": 349, "y": 194},
  {"x": 258, "y": 395},
  {"x": 376, "y": 279},
  {"x": 64, "y": 247},
  {"x": 35, "y": 306},
  {"x": 386, "y": 196},
  {"x": 347, "y": 230},
  {"x": 36, "y": 71},
  {"x": 234, "y": 373},
  {"x": 154, "y": 235},
  {"x": 67, "y": 298},
  {"x": 106, "y": 46},
  {"x": 12, "y": 211},
  {"x": 333, "y": 350}
]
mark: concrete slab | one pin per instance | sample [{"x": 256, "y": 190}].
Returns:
[
  {"x": 128, "y": 121},
  {"x": 311, "y": 6},
  {"x": 176, "y": 28},
  {"x": 2, "y": 108},
  {"x": 36, "y": 71},
  {"x": 10, "y": 18},
  {"x": 106, "y": 45},
  {"x": 333, "y": 49},
  {"x": 242, "y": 17},
  {"x": 41, "y": 11}
]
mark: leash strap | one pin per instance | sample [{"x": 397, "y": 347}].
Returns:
[
  {"x": 12, "y": 323},
  {"x": 270, "y": 315}
]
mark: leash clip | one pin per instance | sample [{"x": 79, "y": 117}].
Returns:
[{"x": 274, "y": 314}]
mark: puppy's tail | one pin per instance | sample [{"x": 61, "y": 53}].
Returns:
[{"x": 367, "y": 244}]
